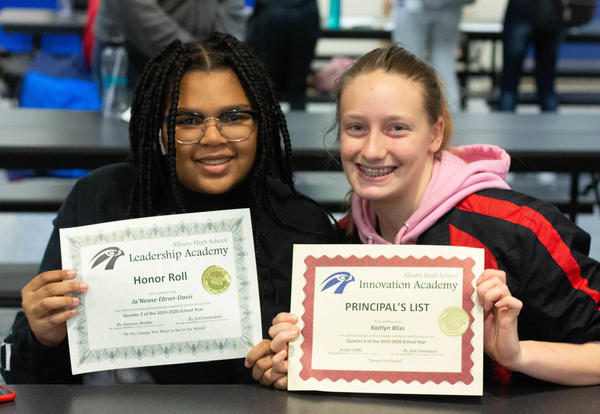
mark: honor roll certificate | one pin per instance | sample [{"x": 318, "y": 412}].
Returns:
[
  {"x": 163, "y": 290},
  {"x": 387, "y": 319}
]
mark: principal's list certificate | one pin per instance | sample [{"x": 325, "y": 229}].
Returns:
[
  {"x": 387, "y": 319},
  {"x": 163, "y": 290}
]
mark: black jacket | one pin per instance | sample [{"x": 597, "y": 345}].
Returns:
[{"x": 103, "y": 196}]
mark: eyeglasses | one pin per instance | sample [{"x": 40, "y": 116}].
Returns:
[{"x": 234, "y": 126}]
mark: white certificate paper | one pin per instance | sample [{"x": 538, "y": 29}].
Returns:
[
  {"x": 163, "y": 290},
  {"x": 387, "y": 319}
]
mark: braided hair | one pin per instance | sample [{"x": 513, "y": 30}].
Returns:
[{"x": 158, "y": 92}]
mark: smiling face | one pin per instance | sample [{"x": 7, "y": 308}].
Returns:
[
  {"x": 387, "y": 141},
  {"x": 213, "y": 165}
]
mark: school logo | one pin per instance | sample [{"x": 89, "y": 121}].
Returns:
[
  {"x": 110, "y": 254},
  {"x": 339, "y": 278}
]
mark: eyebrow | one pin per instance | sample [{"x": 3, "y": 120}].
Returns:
[
  {"x": 364, "y": 118},
  {"x": 352, "y": 116}
]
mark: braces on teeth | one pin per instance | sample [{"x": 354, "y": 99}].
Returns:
[{"x": 376, "y": 172}]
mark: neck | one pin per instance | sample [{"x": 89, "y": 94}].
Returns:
[
  {"x": 237, "y": 197},
  {"x": 391, "y": 217},
  {"x": 393, "y": 213}
]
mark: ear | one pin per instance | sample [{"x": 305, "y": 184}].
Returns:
[
  {"x": 161, "y": 143},
  {"x": 437, "y": 135}
]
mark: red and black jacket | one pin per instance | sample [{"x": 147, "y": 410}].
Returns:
[{"x": 544, "y": 255}]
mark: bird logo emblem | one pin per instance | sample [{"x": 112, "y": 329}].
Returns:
[
  {"x": 111, "y": 254},
  {"x": 341, "y": 278}
]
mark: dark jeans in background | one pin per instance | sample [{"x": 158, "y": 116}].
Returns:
[
  {"x": 519, "y": 33},
  {"x": 284, "y": 39}
]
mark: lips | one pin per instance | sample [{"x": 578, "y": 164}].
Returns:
[
  {"x": 375, "y": 172},
  {"x": 214, "y": 160},
  {"x": 214, "y": 165}
]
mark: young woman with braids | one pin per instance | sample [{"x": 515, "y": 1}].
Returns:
[{"x": 206, "y": 134}]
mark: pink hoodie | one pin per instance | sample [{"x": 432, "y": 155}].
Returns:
[{"x": 457, "y": 173}]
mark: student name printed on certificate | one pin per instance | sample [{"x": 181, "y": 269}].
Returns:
[
  {"x": 391, "y": 319},
  {"x": 163, "y": 290},
  {"x": 180, "y": 285}
]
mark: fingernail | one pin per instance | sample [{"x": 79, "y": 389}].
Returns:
[
  {"x": 83, "y": 287},
  {"x": 71, "y": 273},
  {"x": 73, "y": 311},
  {"x": 75, "y": 301},
  {"x": 246, "y": 363}
]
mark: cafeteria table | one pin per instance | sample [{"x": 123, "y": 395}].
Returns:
[{"x": 242, "y": 399}]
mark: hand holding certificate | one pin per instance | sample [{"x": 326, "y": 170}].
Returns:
[
  {"x": 163, "y": 290},
  {"x": 387, "y": 319}
]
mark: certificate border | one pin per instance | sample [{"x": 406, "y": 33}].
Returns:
[
  {"x": 307, "y": 371},
  {"x": 118, "y": 355}
]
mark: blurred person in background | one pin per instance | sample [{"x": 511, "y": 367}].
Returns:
[
  {"x": 149, "y": 25},
  {"x": 283, "y": 34},
  {"x": 520, "y": 31},
  {"x": 429, "y": 29}
]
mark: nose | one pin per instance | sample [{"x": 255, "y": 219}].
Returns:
[
  {"x": 373, "y": 146},
  {"x": 212, "y": 134}
]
